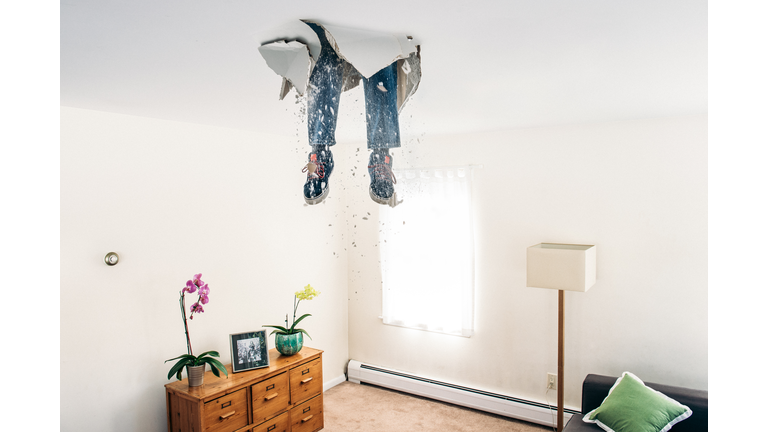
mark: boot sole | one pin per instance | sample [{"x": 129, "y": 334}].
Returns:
[
  {"x": 391, "y": 201},
  {"x": 318, "y": 199}
]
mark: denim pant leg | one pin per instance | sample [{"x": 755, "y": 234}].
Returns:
[
  {"x": 381, "y": 108},
  {"x": 324, "y": 94}
]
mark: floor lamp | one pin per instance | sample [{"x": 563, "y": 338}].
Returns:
[{"x": 564, "y": 267}]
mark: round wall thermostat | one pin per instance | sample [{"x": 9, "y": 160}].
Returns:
[{"x": 111, "y": 259}]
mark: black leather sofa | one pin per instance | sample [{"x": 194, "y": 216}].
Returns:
[{"x": 596, "y": 387}]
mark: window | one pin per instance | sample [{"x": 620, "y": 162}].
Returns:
[{"x": 427, "y": 249}]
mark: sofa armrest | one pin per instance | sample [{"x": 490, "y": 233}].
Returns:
[
  {"x": 594, "y": 390},
  {"x": 576, "y": 424}
]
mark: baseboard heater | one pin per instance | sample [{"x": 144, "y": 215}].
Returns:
[{"x": 534, "y": 412}]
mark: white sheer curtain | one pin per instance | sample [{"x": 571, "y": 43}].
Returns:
[{"x": 427, "y": 249}]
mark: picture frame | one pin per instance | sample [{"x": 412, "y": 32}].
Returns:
[{"x": 249, "y": 350}]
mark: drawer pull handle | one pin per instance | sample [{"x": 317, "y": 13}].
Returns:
[
  {"x": 304, "y": 381},
  {"x": 228, "y": 415},
  {"x": 271, "y": 428},
  {"x": 270, "y": 387},
  {"x": 272, "y": 396},
  {"x": 306, "y": 419}
]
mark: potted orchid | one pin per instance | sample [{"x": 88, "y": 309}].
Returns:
[
  {"x": 290, "y": 340},
  {"x": 195, "y": 365}
]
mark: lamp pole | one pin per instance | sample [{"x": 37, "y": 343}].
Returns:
[{"x": 560, "y": 356}]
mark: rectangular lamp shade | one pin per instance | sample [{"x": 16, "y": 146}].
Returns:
[{"x": 561, "y": 266}]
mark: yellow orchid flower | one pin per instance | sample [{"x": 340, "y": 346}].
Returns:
[{"x": 307, "y": 294}]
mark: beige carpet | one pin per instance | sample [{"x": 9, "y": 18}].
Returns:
[{"x": 359, "y": 407}]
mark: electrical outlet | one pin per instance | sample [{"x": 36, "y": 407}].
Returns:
[{"x": 552, "y": 381}]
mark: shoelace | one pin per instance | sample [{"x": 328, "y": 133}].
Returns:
[
  {"x": 383, "y": 172},
  {"x": 318, "y": 171}
]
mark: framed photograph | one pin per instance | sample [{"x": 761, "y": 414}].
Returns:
[{"x": 249, "y": 350}]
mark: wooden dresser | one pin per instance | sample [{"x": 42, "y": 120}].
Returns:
[{"x": 286, "y": 396}]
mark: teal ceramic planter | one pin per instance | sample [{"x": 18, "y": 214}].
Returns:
[{"x": 289, "y": 344}]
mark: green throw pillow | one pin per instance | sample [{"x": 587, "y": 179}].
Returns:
[{"x": 631, "y": 406}]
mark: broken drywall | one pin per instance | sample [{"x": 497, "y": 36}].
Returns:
[
  {"x": 291, "y": 60},
  {"x": 293, "y": 49}
]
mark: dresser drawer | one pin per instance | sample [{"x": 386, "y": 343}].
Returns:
[
  {"x": 226, "y": 413},
  {"x": 306, "y": 381},
  {"x": 280, "y": 423},
  {"x": 270, "y": 397},
  {"x": 308, "y": 416}
]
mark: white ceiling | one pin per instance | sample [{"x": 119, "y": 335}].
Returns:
[{"x": 487, "y": 64}]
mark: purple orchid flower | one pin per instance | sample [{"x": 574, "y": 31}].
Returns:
[
  {"x": 203, "y": 293},
  {"x": 190, "y": 288},
  {"x": 196, "y": 307},
  {"x": 197, "y": 281}
]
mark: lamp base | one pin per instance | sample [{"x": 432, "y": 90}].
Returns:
[{"x": 560, "y": 356}]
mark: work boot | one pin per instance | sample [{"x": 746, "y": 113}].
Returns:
[
  {"x": 318, "y": 172},
  {"x": 383, "y": 180}
]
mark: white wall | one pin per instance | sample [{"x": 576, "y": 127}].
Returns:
[
  {"x": 174, "y": 199},
  {"x": 636, "y": 189}
]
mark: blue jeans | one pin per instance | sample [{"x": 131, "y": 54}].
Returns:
[{"x": 324, "y": 94}]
